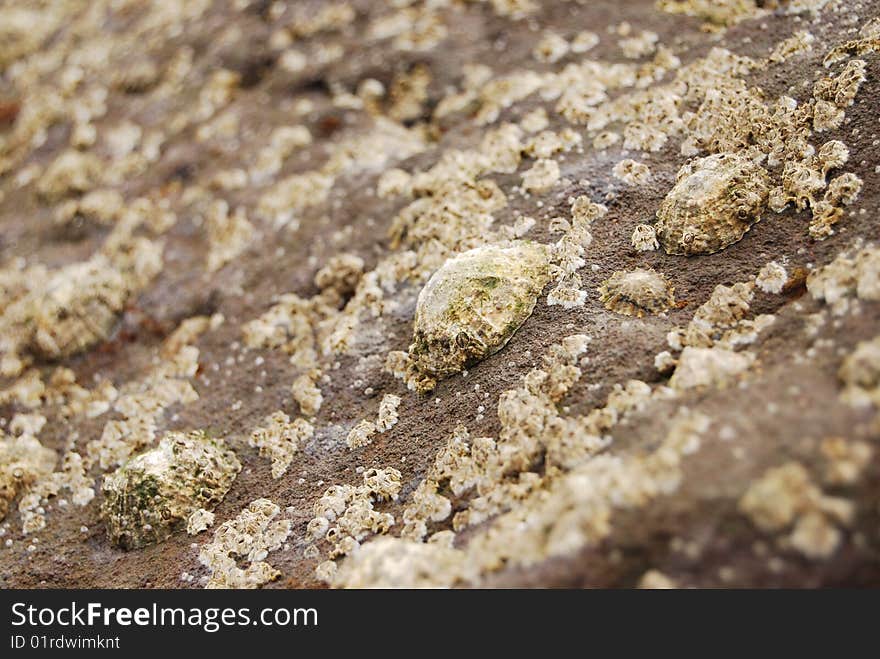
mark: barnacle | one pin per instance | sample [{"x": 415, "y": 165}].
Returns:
[
  {"x": 841, "y": 89},
  {"x": 833, "y": 155},
  {"x": 636, "y": 292},
  {"x": 860, "y": 373},
  {"x": 827, "y": 116},
  {"x": 631, "y": 172},
  {"x": 715, "y": 201},
  {"x": 551, "y": 48},
  {"x": 72, "y": 172},
  {"x": 546, "y": 144},
  {"x": 846, "y": 460},
  {"x": 71, "y": 477},
  {"x": 720, "y": 13},
  {"x": 340, "y": 276},
  {"x": 567, "y": 294},
  {"x": 351, "y": 510},
  {"x": 388, "y": 415},
  {"x": 249, "y": 536},
  {"x": 585, "y": 210},
  {"x": 786, "y": 497},
  {"x": 847, "y": 276},
  {"x": 542, "y": 176},
  {"x": 797, "y": 43},
  {"x": 78, "y": 308},
  {"x": 199, "y": 520},
  {"x": 868, "y": 44},
  {"x": 146, "y": 498},
  {"x": 23, "y": 29},
  {"x": 396, "y": 563},
  {"x": 640, "y": 45},
  {"x": 279, "y": 439},
  {"x": 842, "y": 191},
  {"x": 307, "y": 393},
  {"x": 534, "y": 518},
  {"x": 144, "y": 401},
  {"x": 584, "y": 41},
  {"x": 535, "y": 121},
  {"x": 721, "y": 320},
  {"x": 23, "y": 460},
  {"x": 229, "y": 234},
  {"x": 454, "y": 161},
  {"x": 772, "y": 278},
  {"x": 361, "y": 434},
  {"x": 709, "y": 366},
  {"x": 393, "y": 182},
  {"x": 644, "y": 238},
  {"x": 472, "y": 305},
  {"x": 656, "y": 580}
]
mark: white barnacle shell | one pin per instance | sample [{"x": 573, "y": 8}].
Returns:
[
  {"x": 474, "y": 303},
  {"x": 714, "y": 203},
  {"x": 644, "y": 238}
]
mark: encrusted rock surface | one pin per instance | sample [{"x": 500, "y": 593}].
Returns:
[{"x": 486, "y": 293}]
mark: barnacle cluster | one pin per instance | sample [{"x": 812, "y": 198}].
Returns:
[
  {"x": 279, "y": 439},
  {"x": 142, "y": 403},
  {"x": 249, "y": 536},
  {"x": 62, "y": 313},
  {"x": 860, "y": 373},
  {"x": 72, "y": 478},
  {"x": 23, "y": 461},
  {"x": 785, "y": 498},
  {"x": 853, "y": 276},
  {"x": 345, "y": 514}
]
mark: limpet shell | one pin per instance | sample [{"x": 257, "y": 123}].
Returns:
[
  {"x": 474, "y": 303},
  {"x": 637, "y": 292},
  {"x": 714, "y": 203},
  {"x": 147, "y": 497}
]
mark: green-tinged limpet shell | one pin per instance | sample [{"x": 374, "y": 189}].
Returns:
[
  {"x": 474, "y": 303},
  {"x": 146, "y": 498}
]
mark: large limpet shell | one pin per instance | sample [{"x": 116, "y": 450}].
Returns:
[
  {"x": 474, "y": 303},
  {"x": 714, "y": 203},
  {"x": 151, "y": 494}
]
